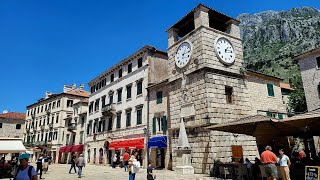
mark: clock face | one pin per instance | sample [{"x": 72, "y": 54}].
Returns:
[
  {"x": 225, "y": 51},
  {"x": 183, "y": 55}
]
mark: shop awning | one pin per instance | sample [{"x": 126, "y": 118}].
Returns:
[
  {"x": 68, "y": 149},
  {"x": 127, "y": 144},
  {"x": 158, "y": 142},
  {"x": 11, "y": 145},
  {"x": 62, "y": 149},
  {"x": 77, "y": 148}
]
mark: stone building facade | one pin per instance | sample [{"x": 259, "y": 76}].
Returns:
[
  {"x": 75, "y": 134},
  {"x": 265, "y": 95},
  {"x": 118, "y": 108},
  {"x": 309, "y": 66},
  {"x": 12, "y": 124},
  {"x": 45, "y": 127}
]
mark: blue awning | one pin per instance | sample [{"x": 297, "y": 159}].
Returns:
[{"x": 158, "y": 142}]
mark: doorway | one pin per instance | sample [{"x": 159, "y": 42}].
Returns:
[
  {"x": 237, "y": 153},
  {"x": 160, "y": 158}
]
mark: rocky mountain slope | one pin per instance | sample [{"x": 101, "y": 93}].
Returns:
[{"x": 271, "y": 39}]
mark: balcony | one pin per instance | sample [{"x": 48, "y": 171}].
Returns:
[
  {"x": 50, "y": 126},
  {"x": 108, "y": 110},
  {"x": 42, "y": 127},
  {"x": 72, "y": 127}
]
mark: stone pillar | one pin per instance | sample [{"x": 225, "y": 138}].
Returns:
[
  {"x": 172, "y": 36},
  {"x": 201, "y": 17},
  {"x": 233, "y": 28}
]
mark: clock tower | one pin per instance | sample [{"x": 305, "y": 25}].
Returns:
[{"x": 207, "y": 85}]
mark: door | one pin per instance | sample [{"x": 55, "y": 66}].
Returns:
[{"x": 237, "y": 153}]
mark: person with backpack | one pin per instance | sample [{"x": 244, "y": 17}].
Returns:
[
  {"x": 24, "y": 171},
  {"x": 80, "y": 163}
]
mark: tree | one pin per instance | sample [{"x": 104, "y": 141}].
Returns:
[{"x": 297, "y": 100}]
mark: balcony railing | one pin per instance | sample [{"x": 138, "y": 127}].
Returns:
[
  {"x": 108, "y": 110},
  {"x": 72, "y": 127},
  {"x": 42, "y": 127}
]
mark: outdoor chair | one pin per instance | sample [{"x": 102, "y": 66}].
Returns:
[
  {"x": 263, "y": 172},
  {"x": 224, "y": 171}
]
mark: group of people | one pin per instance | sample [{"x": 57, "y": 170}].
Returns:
[
  {"x": 131, "y": 164},
  {"x": 77, "y": 162}
]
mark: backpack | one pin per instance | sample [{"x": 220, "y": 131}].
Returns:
[
  {"x": 136, "y": 166},
  {"x": 29, "y": 172}
]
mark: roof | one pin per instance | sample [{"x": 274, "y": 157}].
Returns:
[
  {"x": 307, "y": 53},
  {"x": 125, "y": 60},
  {"x": 286, "y": 86},
  {"x": 78, "y": 92},
  {"x": 13, "y": 115},
  {"x": 261, "y": 74}
]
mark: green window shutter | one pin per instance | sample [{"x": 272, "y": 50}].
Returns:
[
  {"x": 159, "y": 97},
  {"x": 164, "y": 124},
  {"x": 280, "y": 116},
  {"x": 269, "y": 114},
  {"x": 270, "y": 89},
  {"x": 154, "y": 123}
]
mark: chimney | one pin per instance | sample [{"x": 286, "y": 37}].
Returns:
[
  {"x": 74, "y": 86},
  {"x": 81, "y": 87},
  {"x": 66, "y": 88},
  {"x": 48, "y": 94}
]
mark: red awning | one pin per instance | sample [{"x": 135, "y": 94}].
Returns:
[
  {"x": 68, "y": 149},
  {"x": 127, "y": 144},
  {"x": 62, "y": 149},
  {"x": 77, "y": 148}
]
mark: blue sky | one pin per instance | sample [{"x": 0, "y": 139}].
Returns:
[{"x": 45, "y": 44}]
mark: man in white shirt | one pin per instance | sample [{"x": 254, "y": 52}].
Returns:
[{"x": 285, "y": 163}]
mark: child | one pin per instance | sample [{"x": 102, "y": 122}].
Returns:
[{"x": 150, "y": 175}]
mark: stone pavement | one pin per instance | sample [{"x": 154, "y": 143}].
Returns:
[{"x": 60, "y": 171}]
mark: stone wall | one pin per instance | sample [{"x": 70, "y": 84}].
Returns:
[{"x": 9, "y": 130}]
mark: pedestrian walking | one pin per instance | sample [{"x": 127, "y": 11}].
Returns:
[
  {"x": 150, "y": 174},
  {"x": 80, "y": 163},
  {"x": 73, "y": 164},
  {"x": 114, "y": 160},
  {"x": 134, "y": 166},
  {"x": 269, "y": 159},
  {"x": 25, "y": 171},
  {"x": 125, "y": 160},
  {"x": 39, "y": 165},
  {"x": 45, "y": 164},
  {"x": 285, "y": 163}
]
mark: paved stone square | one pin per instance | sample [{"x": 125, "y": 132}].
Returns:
[{"x": 60, "y": 171}]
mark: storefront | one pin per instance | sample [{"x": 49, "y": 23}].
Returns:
[
  {"x": 158, "y": 148},
  {"x": 66, "y": 153}
]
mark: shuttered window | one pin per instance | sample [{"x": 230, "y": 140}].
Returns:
[
  {"x": 118, "y": 120},
  {"x": 128, "y": 122},
  {"x": 164, "y": 124},
  {"x": 280, "y": 116},
  {"x": 139, "y": 116},
  {"x": 270, "y": 89},
  {"x": 159, "y": 97},
  {"x": 154, "y": 125}
]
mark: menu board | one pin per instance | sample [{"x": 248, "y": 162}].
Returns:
[{"x": 312, "y": 173}]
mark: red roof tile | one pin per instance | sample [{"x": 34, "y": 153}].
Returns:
[
  {"x": 13, "y": 115},
  {"x": 78, "y": 92},
  {"x": 286, "y": 86}
]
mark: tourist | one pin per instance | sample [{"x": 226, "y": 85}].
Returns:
[
  {"x": 121, "y": 161},
  {"x": 114, "y": 160},
  {"x": 125, "y": 160},
  {"x": 255, "y": 168},
  {"x": 45, "y": 164},
  {"x": 73, "y": 164},
  {"x": 134, "y": 166},
  {"x": 39, "y": 165},
  {"x": 24, "y": 171},
  {"x": 269, "y": 160},
  {"x": 150, "y": 174},
  {"x": 285, "y": 163},
  {"x": 80, "y": 163}
]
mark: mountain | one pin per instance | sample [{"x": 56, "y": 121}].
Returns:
[{"x": 271, "y": 39}]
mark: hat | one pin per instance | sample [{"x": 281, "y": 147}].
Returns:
[{"x": 24, "y": 156}]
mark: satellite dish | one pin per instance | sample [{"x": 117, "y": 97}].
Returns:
[{"x": 5, "y": 111}]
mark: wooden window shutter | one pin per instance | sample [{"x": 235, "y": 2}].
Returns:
[
  {"x": 164, "y": 124},
  {"x": 270, "y": 89},
  {"x": 154, "y": 124}
]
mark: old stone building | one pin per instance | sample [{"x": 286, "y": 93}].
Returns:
[
  {"x": 265, "y": 95},
  {"x": 118, "y": 106},
  {"x": 309, "y": 65},
  {"x": 12, "y": 124},
  {"x": 207, "y": 86},
  {"x": 46, "y": 129},
  {"x": 75, "y": 134}
]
